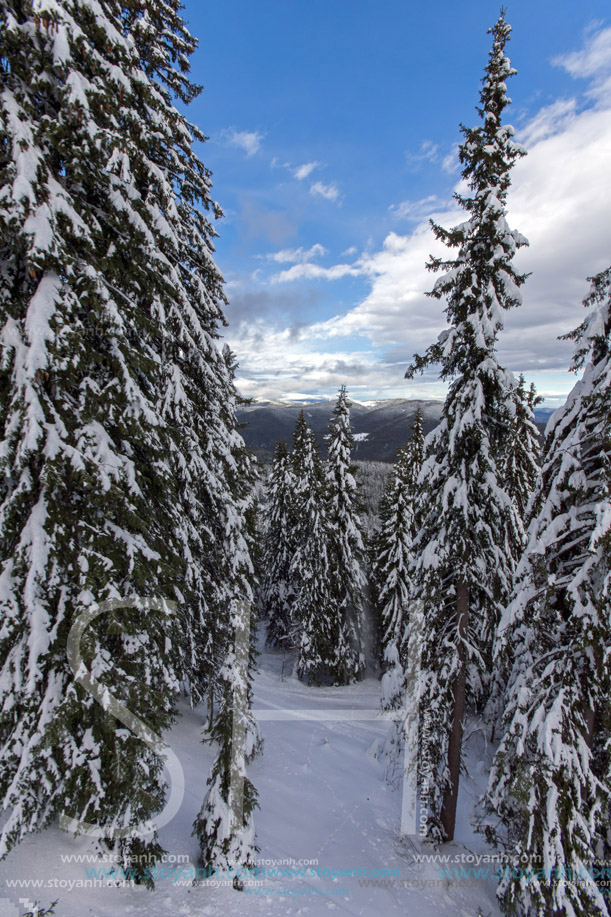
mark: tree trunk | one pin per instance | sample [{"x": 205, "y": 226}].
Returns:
[
  {"x": 450, "y": 797},
  {"x": 589, "y": 714},
  {"x": 590, "y": 718},
  {"x": 210, "y": 705}
]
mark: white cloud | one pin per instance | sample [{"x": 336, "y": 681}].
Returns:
[
  {"x": 396, "y": 309},
  {"x": 451, "y": 163},
  {"x": 305, "y": 170},
  {"x": 309, "y": 271},
  {"x": 548, "y": 121},
  {"x": 428, "y": 152},
  {"x": 248, "y": 141},
  {"x": 297, "y": 255},
  {"x": 415, "y": 210},
  {"x": 303, "y": 368},
  {"x": 592, "y": 61},
  {"x": 329, "y": 192}
]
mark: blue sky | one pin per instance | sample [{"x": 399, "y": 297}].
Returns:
[{"x": 332, "y": 139}]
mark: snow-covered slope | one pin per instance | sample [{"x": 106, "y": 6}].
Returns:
[{"x": 324, "y": 798}]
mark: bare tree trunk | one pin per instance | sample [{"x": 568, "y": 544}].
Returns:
[
  {"x": 210, "y": 705},
  {"x": 450, "y": 797},
  {"x": 589, "y": 715},
  {"x": 590, "y": 718}
]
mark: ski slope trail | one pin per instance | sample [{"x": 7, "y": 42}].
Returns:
[{"x": 328, "y": 826}]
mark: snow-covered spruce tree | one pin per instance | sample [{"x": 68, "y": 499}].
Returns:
[
  {"x": 522, "y": 450},
  {"x": 298, "y": 473},
  {"x": 550, "y": 785},
  {"x": 469, "y": 533},
  {"x": 224, "y": 825},
  {"x": 320, "y": 640},
  {"x": 277, "y": 594},
  {"x": 300, "y": 446},
  {"x": 122, "y": 473},
  {"x": 346, "y": 547},
  {"x": 521, "y": 464},
  {"x": 391, "y": 563},
  {"x": 219, "y": 525}
]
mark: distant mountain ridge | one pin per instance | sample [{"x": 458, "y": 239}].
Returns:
[{"x": 380, "y": 427}]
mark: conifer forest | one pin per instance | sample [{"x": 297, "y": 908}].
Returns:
[{"x": 296, "y": 683}]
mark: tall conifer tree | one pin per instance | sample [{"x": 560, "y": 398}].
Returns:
[
  {"x": 300, "y": 445},
  {"x": 522, "y": 450},
  {"x": 550, "y": 785},
  {"x": 346, "y": 547},
  {"x": 469, "y": 532},
  {"x": 520, "y": 459},
  {"x": 225, "y": 825},
  {"x": 317, "y": 633},
  {"x": 122, "y": 472},
  {"x": 277, "y": 590},
  {"x": 392, "y": 560}
]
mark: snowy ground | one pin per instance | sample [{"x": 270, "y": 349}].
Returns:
[{"x": 323, "y": 798}]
